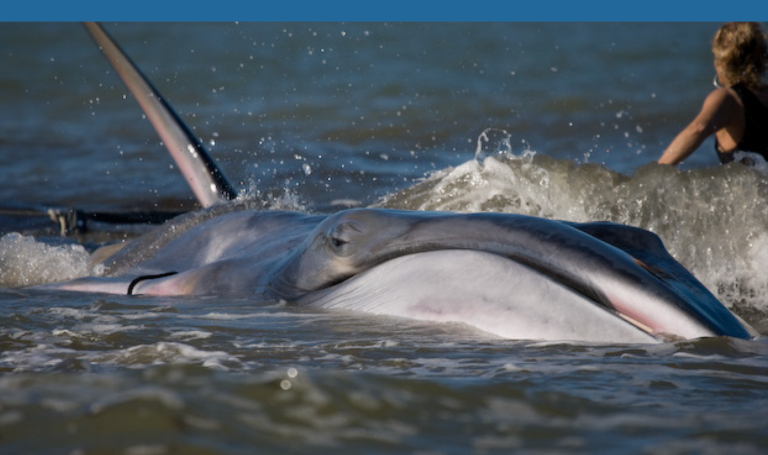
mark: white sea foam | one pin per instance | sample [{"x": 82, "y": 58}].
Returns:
[
  {"x": 168, "y": 353},
  {"x": 714, "y": 221},
  {"x": 25, "y": 261},
  {"x": 189, "y": 335}
]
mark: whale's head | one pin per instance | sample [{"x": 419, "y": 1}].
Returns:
[
  {"x": 612, "y": 266},
  {"x": 343, "y": 245}
]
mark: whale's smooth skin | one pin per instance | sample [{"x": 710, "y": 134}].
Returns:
[{"x": 509, "y": 275}]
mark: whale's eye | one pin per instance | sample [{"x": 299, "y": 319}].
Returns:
[
  {"x": 338, "y": 242},
  {"x": 338, "y": 245},
  {"x": 341, "y": 238}
]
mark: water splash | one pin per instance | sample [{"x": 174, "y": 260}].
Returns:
[
  {"x": 25, "y": 261},
  {"x": 492, "y": 142},
  {"x": 714, "y": 221},
  {"x": 281, "y": 199}
]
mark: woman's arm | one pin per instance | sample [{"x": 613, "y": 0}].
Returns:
[{"x": 720, "y": 110}]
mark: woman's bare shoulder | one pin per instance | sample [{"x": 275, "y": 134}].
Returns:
[{"x": 722, "y": 102}]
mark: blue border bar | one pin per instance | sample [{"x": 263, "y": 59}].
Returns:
[{"x": 383, "y": 10}]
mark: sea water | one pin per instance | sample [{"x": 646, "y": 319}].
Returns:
[{"x": 560, "y": 121}]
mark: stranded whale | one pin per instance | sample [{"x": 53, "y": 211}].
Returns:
[{"x": 510, "y": 275}]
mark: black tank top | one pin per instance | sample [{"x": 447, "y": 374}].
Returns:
[{"x": 755, "y": 138}]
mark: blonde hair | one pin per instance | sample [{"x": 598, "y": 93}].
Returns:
[{"x": 740, "y": 47}]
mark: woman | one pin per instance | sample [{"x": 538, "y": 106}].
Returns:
[{"x": 737, "y": 111}]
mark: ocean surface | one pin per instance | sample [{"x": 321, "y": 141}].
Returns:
[{"x": 561, "y": 120}]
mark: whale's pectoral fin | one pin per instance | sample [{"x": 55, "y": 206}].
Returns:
[
  {"x": 154, "y": 284},
  {"x": 201, "y": 172},
  {"x": 91, "y": 284},
  {"x": 230, "y": 277}
]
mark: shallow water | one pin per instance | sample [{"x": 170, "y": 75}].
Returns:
[
  {"x": 149, "y": 375},
  {"x": 315, "y": 117}
]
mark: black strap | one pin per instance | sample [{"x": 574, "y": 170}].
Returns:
[{"x": 138, "y": 280}]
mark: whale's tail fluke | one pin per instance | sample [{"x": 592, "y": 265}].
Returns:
[{"x": 201, "y": 172}]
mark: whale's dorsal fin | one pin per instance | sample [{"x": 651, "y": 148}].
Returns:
[{"x": 199, "y": 169}]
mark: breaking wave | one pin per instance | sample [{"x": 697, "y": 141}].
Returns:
[{"x": 714, "y": 221}]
